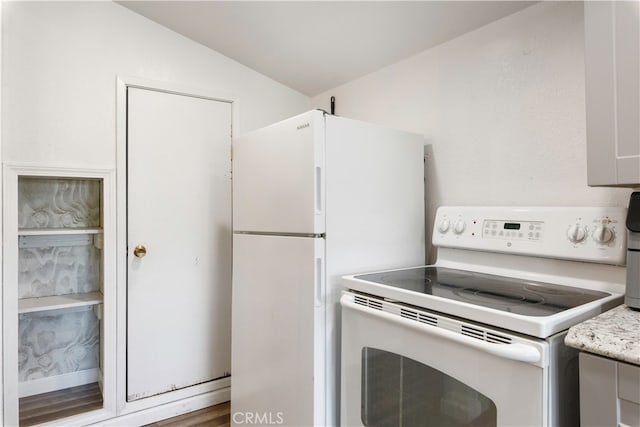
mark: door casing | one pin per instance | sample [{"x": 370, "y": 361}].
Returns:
[{"x": 196, "y": 396}]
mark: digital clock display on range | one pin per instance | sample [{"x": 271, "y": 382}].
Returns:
[{"x": 511, "y": 226}]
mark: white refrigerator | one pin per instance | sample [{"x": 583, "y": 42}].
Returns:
[{"x": 315, "y": 197}]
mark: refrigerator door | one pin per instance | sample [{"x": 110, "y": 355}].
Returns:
[
  {"x": 277, "y": 346},
  {"x": 278, "y": 177}
]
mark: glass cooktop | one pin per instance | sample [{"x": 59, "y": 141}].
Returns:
[{"x": 512, "y": 295}]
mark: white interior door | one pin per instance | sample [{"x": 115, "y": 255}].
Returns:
[{"x": 179, "y": 209}]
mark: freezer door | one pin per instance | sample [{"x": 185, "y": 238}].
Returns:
[
  {"x": 277, "y": 345},
  {"x": 278, "y": 177}
]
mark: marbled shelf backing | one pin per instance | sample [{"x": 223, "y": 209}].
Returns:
[
  {"x": 57, "y": 342},
  {"x": 58, "y": 270},
  {"x": 58, "y": 203}
]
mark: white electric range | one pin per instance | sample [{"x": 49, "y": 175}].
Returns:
[{"x": 478, "y": 337}]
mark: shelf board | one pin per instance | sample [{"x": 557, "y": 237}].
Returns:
[
  {"x": 58, "y": 231},
  {"x": 46, "y": 237},
  {"x": 30, "y": 305}
]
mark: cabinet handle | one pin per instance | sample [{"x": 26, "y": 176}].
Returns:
[{"x": 140, "y": 251}]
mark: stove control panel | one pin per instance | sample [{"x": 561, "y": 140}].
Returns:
[
  {"x": 590, "y": 234},
  {"x": 510, "y": 230}
]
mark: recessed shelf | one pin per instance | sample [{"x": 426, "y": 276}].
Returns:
[
  {"x": 41, "y": 238},
  {"x": 57, "y": 231},
  {"x": 60, "y": 224},
  {"x": 56, "y": 302}
]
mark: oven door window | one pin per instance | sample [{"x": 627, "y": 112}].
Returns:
[{"x": 398, "y": 391}]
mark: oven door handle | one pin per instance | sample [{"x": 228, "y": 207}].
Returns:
[{"x": 516, "y": 351}]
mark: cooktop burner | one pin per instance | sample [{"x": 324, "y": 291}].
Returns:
[{"x": 497, "y": 292}]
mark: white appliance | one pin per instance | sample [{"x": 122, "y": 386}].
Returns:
[
  {"x": 632, "y": 296},
  {"x": 314, "y": 197},
  {"x": 478, "y": 337}
]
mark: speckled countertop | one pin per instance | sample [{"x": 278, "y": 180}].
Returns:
[{"x": 614, "y": 334}]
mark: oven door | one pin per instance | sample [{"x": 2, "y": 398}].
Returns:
[{"x": 402, "y": 366}]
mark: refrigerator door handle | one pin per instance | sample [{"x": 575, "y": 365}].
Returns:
[
  {"x": 318, "y": 283},
  {"x": 318, "y": 190}
]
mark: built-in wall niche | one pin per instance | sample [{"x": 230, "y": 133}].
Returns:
[
  {"x": 59, "y": 287},
  {"x": 57, "y": 271}
]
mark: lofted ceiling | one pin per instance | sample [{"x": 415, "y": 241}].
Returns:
[{"x": 313, "y": 46}]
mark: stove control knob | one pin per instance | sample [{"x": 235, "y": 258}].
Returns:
[
  {"x": 443, "y": 227},
  {"x": 459, "y": 226},
  {"x": 576, "y": 233},
  {"x": 603, "y": 234}
]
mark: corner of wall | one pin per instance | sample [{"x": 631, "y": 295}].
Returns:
[{"x": 1, "y": 219}]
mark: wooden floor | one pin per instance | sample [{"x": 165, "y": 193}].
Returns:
[
  {"x": 218, "y": 415},
  {"x": 58, "y": 404},
  {"x": 45, "y": 407}
]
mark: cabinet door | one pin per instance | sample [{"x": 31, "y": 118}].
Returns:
[
  {"x": 612, "y": 61},
  {"x": 598, "y": 391},
  {"x": 629, "y": 394},
  {"x": 179, "y": 209}
]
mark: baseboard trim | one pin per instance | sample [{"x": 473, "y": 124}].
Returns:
[{"x": 169, "y": 410}]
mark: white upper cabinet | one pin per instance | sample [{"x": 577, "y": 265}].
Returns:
[{"x": 612, "y": 61}]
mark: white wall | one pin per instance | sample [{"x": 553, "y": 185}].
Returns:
[
  {"x": 1, "y": 209},
  {"x": 503, "y": 106},
  {"x": 60, "y": 61}
]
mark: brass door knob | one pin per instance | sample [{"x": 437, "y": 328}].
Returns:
[{"x": 140, "y": 251}]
